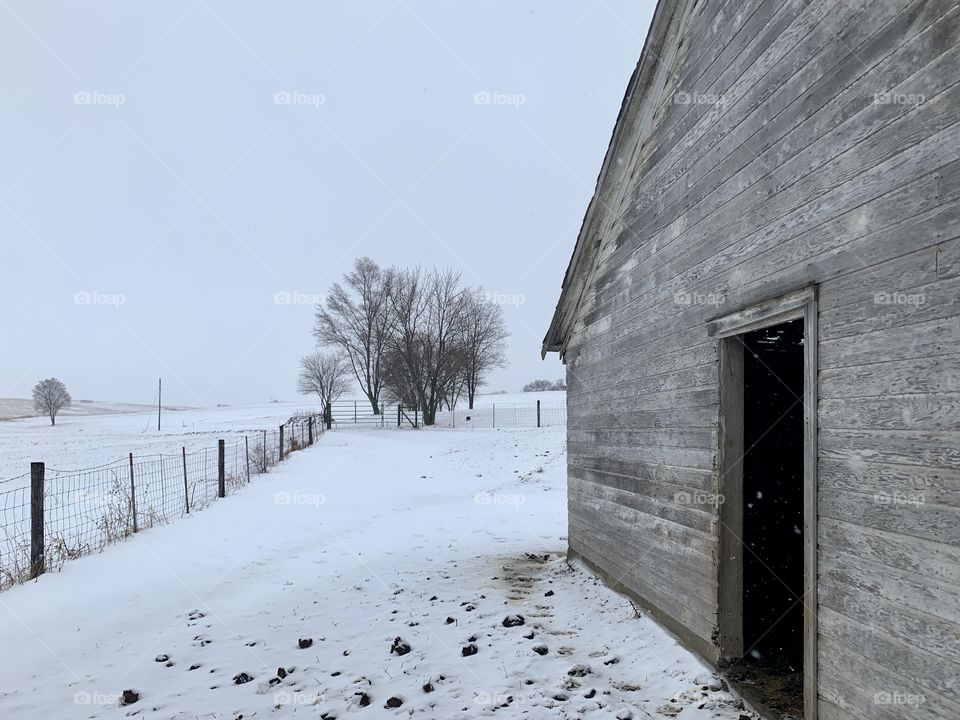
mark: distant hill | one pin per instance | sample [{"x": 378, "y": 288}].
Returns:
[{"x": 12, "y": 408}]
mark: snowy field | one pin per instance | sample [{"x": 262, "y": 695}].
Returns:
[
  {"x": 370, "y": 576},
  {"x": 86, "y": 440}
]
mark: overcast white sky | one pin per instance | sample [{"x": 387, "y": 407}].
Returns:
[{"x": 148, "y": 162}]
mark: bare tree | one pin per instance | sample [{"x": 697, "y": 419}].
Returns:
[
  {"x": 325, "y": 374},
  {"x": 538, "y": 386},
  {"x": 483, "y": 342},
  {"x": 50, "y": 396},
  {"x": 427, "y": 311},
  {"x": 357, "y": 320}
]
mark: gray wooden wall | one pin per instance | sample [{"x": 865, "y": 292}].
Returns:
[{"x": 800, "y": 174}]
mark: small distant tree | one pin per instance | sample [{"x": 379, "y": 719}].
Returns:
[
  {"x": 50, "y": 396},
  {"x": 538, "y": 386},
  {"x": 325, "y": 374},
  {"x": 560, "y": 384}
]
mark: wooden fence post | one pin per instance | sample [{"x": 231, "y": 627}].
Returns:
[
  {"x": 538, "y": 413},
  {"x": 399, "y": 415},
  {"x": 186, "y": 485},
  {"x": 37, "y": 564},
  {"x": 281, "y": 444},
  {"x": 133, "y": 496},
  {"x": 221, "y": 469},
  {"x": 246, "y": 448}
]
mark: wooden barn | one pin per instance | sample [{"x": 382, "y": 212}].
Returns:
[{"x": 761, "y": 330}]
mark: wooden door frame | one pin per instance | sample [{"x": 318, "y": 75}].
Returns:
[{"x": 801, "y": 304}]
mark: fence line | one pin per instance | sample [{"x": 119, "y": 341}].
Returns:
[
  {"x": 64, "y": 514},
  {"x": 346, "y": 413}
]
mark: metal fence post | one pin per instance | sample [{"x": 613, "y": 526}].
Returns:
[
  {"x": 538, "y": 413},
  {"x": 310, "y": 430},
  {"x": 221, "y": 469},
  {"x": 354, "y": 412},
  {"x": 265, "y": 467},
  {"x": 133, "y": 496},
  {"x": 37, "y": 472},
  {"x": 246, "y": 453},
  {"x": 186, "y": 485},
  {"x": 281, "y": 444},
  {"x": 494, "y": 415}
]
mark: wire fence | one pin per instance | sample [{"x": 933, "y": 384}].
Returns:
[
  {"x": 507, "y": 415},
  {"x": 51, "y": 515},
  {"x": 346, "y": 413}
]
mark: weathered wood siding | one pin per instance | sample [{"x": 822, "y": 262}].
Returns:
[{"x": 786, "y": 169}]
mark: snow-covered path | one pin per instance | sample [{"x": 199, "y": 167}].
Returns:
[{"x": 395, "y": 556}]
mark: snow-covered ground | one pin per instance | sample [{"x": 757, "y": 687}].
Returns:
[
  {"x": 374, "y": 570},
  {"x": 80, "y": 441}
]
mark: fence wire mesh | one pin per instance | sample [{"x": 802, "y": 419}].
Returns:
[
  {"x": 507, "y": 415},
  {"x": 86, "y": 510},
  {"x": 347, "y": 413}
]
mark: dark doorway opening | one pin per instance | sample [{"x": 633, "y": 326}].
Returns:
[{"x": 773, "y": 517}]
